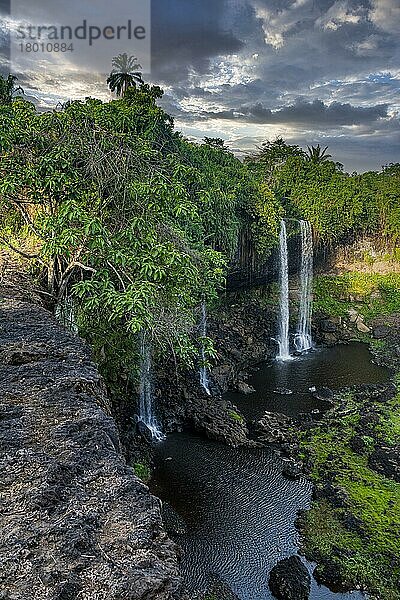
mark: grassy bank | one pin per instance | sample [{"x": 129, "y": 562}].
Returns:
[
  {"x": 353, "y": 528},
  {"x": 378, "y": 294}
]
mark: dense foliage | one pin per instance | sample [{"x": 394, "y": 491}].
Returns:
[
  {"x": 139, "y": 225},
  {"x": 337, "y": 204},
  {"x": 126, "y": 215}
]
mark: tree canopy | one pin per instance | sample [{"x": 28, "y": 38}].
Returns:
[{"x": 134, "y": 221}]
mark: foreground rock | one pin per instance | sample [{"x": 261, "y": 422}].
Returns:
[
  {"x": 75, "y": 521},
  {"x": 290, "y": 580},
  {"x": 218, "y": 420},
  {"x": 274, "y": 428}
]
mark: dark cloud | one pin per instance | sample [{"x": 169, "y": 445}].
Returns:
[
  {"x": 308, "y": 113},
  {"x": 186, "y": 38}
]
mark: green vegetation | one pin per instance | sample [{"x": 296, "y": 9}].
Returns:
[
  {"x": 360, "y": 535},
  {"x": 127, "y": 217},
  {"x": 120, "y": 215},
  {"x": 376, "y": 294},
  {"x": 137, "y": 226},
  {"x": 9, "y": 90},
  {"x": 125, "y": 74},
  {"x": 236, "y": 417},
  {"x": 142, "y": 471},
  {"x": 311, "y": 186}
]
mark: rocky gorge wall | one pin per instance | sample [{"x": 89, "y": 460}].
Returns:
[{"x": 75, "y": 521}]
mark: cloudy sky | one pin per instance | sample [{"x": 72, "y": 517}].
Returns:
[{"x": 311, "y": 71}]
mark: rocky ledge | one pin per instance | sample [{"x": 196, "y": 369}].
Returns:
[
  {"x": 75, "y": 521},
  {"x": 290, "y": 580}
]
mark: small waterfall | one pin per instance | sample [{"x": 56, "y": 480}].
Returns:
[
  {"x": 303, "y": 337},
  {"x": 204, "y": 381},
  {"x": 64, "y": 313},
  {"x": 146, "y": 415},
  {"x": 283, "y": 339}
]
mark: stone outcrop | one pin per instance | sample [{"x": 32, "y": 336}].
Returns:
[
  {"x": 290, "y": 580},
  {"x": 75, "y": 521},
  {"x": 218, "y": 420},
  {"x": 242, "y": 334}
]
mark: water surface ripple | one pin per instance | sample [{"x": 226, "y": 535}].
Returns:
[{"x": 232, "y": 511}]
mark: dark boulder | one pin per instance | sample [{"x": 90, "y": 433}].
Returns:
[
  {"x": 329, "y": 574},
  {"x": 290, "y": 580},
  {"x": 323, "y": 393},
  {"x": 292, "y": 471},
  {"x": 282, "y": 391},
  {"x": 245, "y": 388},
  {"x": 274, "y": 428},
  {"x": 380, "y": 332},
  {"x": 220, "y": 590},
  {"x": 218, "y": 420},
  {"x": 386, "y": 460},
  {"x": 327, "y": 326}
]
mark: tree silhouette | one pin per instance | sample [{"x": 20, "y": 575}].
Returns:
[
  {"x": 316, "y": 155},
  {"x": 8, "y": 89},
  {"x": 125, "y": 74},
  {"x": 215, "y": 142}
]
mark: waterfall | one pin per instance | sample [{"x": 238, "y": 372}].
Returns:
[
  {"x": 283, "y": 339},
  {"x": 204, "y": 381},
  {"x": 146, "y": 415},
  {"x": 303, "y": 338},
  {"x": 64, "y": 313}
]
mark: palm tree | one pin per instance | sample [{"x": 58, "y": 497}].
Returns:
[
  {"x": 125, "y": 74},
  {"x": 316, "y": 155},
  {"x": 8, "y": 89}
]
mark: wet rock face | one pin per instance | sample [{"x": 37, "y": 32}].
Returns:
[
  {"x": 380, "y": 332},
  {"x": 75, "y": 521},
  {"x": 386, "y": 460},
  {"x": 218, "y": 420},
  {"x": 290, "y": 580},
  {"x": 274, "y": 428}
]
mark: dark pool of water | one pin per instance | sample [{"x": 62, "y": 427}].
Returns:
[
  {"x": 232, "y": 511},
  {"x": 335, "y": 367}
]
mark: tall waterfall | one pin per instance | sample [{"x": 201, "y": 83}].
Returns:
[
  {"x": 204, "y": 381},
  {"x": 146, "y": 414},
  {"x": 283, "y": 339},
  {"x": 303, "y": 337}
]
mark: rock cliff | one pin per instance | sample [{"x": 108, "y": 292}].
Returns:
[{"x": 75, "y": 522}]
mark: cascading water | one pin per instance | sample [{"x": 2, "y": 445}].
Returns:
[
  {"x": 204, "y": 381},
  {"x": 146, "y": 415},
  {"x": 283, "y": 339},
  {"x": 64, "y": 313},
  {"x": 303, "y": 337}
]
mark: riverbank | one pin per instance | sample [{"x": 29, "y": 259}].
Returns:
[
  {"x": 353, "y": 455},
  {"x": 351, "y": 452}
]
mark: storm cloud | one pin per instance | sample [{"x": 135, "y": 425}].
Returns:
[
  {"x": 325, "y": 71},
  {"x": 309, "y": 113}
]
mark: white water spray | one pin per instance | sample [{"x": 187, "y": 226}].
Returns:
[
  {"x": 283, "y": 339},
  {"x": 204, "y": 381},
  {"x": 303, "y": 337},
  {"x": 146, "y": 414}
]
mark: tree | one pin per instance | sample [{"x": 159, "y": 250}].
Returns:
[
  {"x": 8, "y": 89},
  {"x": 316, "y": 155},
  {"x": 125, "y": 74},
  {"x": 215, "y": 142},
  {"x": 271, "y": 156}
]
